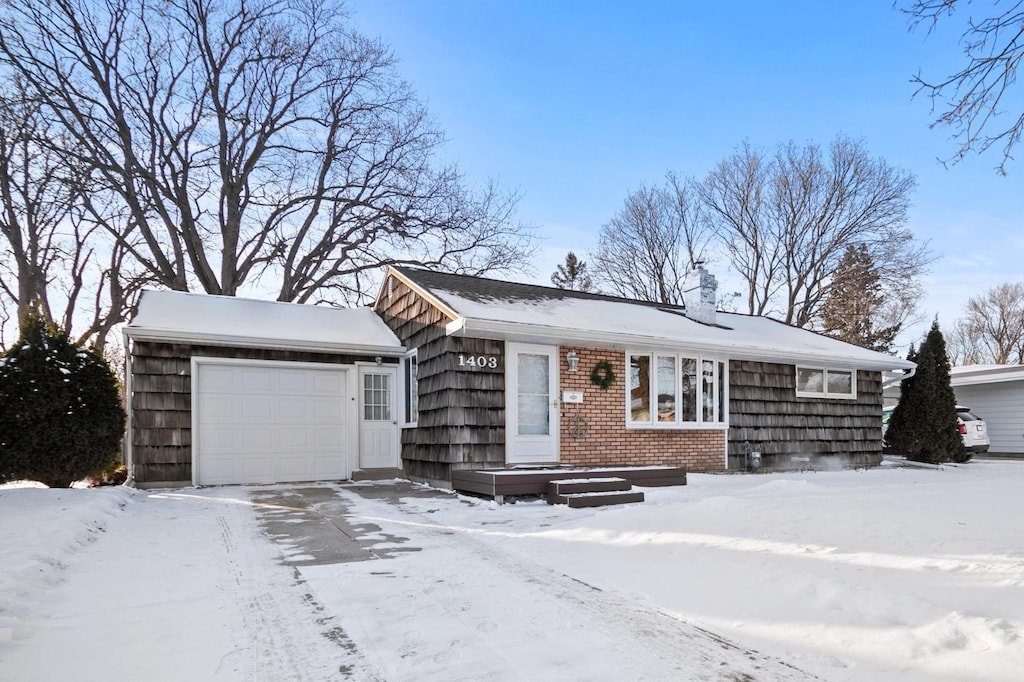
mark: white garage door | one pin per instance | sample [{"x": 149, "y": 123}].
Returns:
[{"x": 263, "y": 422}]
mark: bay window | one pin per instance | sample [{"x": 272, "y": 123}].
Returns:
[{"x": 675, "y": 390}]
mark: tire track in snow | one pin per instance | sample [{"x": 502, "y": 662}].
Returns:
[
  {"x": 558, "y": 611},
  {"x": 290, "y": 636}
]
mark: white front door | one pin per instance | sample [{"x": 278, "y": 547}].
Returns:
[
  {"x": 379, "y": 441},
  {"x": 531, "y": 404}
]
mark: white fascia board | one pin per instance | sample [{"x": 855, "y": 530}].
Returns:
[
  {"x": 166, "y": 336},
  {"x": 986, "y": 377},
  {"x": 544, "y": 334}
]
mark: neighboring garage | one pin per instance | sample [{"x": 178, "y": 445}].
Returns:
[
  {"x": 227, "y": 390},
  {"x": 996, "y": 394}
]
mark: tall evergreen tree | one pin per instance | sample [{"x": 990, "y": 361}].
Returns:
[
  {"x": 60, "y": 413},
  {"x": 855, "y": 299},
  {"x": 572, "y": 275},
  {"x": 924, "y": 425}
]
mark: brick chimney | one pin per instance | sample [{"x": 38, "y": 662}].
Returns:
[{"x": 699, "y": 294}]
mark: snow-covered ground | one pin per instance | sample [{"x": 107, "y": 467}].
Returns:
[{"x": 886, "y": 574}]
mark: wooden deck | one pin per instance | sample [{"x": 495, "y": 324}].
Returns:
[{"x": 499, "y": 483}]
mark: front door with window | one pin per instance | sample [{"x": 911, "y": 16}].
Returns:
[
  {"x": 531, "y": 404},
  {"x": 379, "y": 443}
]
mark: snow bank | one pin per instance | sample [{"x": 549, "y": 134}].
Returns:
[{"x": 41, "y": 528}]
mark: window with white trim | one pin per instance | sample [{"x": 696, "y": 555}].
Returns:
[
  {"x": 821, "y": 382},
  {"x": 410, "y": 371},
  {"x": 670, "y": 390}
]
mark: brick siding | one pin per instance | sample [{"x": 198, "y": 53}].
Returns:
[{"x": 607, "y": 441}]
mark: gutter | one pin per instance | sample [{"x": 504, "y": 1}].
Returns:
[
  {"x": 623, "y": 341},
  {"x": 165, "y": 336}
]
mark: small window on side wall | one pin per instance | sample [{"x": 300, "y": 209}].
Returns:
[
  {"x": 410, "y": 370},
  {"x": 819, "y": 382}
]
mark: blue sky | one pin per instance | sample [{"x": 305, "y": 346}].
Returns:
[{"x": 575, "y": 104}]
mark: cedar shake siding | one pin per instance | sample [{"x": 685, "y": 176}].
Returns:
[
  {"x": 161, "y": 402},
  {"x": 461, "y": 422},
  {"x": 461, "y": 417},
  {"x": 764, "y": 411},
  {"x": 594, "y": 433}
]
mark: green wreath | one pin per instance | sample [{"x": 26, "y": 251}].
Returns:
[{"x": 603, "y": 375}]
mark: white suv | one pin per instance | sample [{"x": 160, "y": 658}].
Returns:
[{"x": 973, "y": 429}]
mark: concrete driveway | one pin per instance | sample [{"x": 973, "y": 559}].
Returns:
[
  {"x": 369, "y": 581},
  {"x": 314, "y": 525},
  {"x": 409, "y": 597}
]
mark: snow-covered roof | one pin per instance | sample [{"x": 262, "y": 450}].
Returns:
[
  {"x": 523, "y": 312},
  {"x": 176, "y": 316},
  {"x": 969, "y": 375}
]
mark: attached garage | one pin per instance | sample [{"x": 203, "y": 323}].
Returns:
[
  {"x": 267, "y": 422},
  {"x": 225, "y": 390}
]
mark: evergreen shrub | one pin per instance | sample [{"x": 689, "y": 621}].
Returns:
[{"x": 61, "y": 418}]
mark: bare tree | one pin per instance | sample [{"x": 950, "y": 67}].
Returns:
[
  {"x": 60, "y": 264},
  {"x": 970, "y": 101},
  {"x": 992, "y": 327},
  {"x": 258, "y": 143},
  {"x": 787, "y": 219},
  {"x": 734, "y": 195},
  {"x": 962, "y": 347},
  {"x": 646, "y": 249},
  {"x": 35, "y": 203}
]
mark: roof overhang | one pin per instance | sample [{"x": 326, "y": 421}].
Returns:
[
  {"x": 172, "y": 336},
  {"x": 982, "y": 374},
  {"x": 619, "y": 340}
]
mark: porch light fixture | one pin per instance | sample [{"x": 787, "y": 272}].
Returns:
[{"x": 572, "y": 360}]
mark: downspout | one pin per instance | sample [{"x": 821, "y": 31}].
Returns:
[
  {"x": 126, "y": 444},
  {"x": 898, "y": 380}
]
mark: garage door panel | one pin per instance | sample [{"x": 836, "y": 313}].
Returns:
[
  {"x": 216, "y": 439},
  {"x": 294, "y": 409},
  {"x": 219, "y": 409},
  {"x": 327, "y": 467},
  {"x": 257, "y": 440},
  {"x": 218, "y": 469},
  {"x": 300, "y": 383},
  {"x": 327, "y": 439},
  {"x": 323, "y": 409},
  {"x": 326, "y": 384},
  {"x": 218, "y": 379},
  {"x": 267, "y": 423},
  {"x": 258, "y": 469},
  {"x": 251, "y": 380},
  {"x": 295, "y": 440},
  {"x": 256, "y": 409}
]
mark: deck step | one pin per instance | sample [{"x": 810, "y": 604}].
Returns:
[
  {"x": 600, "y": 499},
  {"x": 502, "y": 484},
  {"x": 558, "y": 489}
]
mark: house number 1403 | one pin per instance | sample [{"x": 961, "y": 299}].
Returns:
[{"x": 478, "y": 361}]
